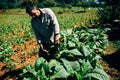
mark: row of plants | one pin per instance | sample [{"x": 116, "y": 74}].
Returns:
[
  {"x": 76, "y": 58},
  {"x": 16, "y": 30}
]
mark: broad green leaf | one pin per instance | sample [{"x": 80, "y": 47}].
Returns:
[
  {"x": 75, "y": 65},
  {"x": 64, "y": 51},
  {"x": 59, "y": 72},
  {"x": 97, "y": 57},
  {"x": 75, "y": 52},
  {"x": 98, "y": 74},
  {"x": 29, "y": 67},
  {"x": 41, "y": 74},
  {"x": 38, "y": 62},
  {"x": 71, "y": 44},
  {"x": 29, "y": 74},
  {"x": 45, "y": 66},
  {"x": 67, "y": 65},
  {"x": 69, "y": 31},
  {"x": 85, "y": 50},
  {"x": 78, "y": 76},
  {"x": 53, "y": 63},
  {"x": 86, "y": 67}
]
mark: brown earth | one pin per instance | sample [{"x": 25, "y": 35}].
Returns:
[{"x": 22, "y": 58}]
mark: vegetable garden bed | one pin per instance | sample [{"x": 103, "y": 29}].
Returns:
[{"x": 81, "y": 46}]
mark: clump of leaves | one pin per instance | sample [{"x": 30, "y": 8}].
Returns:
[
  {"x": 75, "y": 60},
  {"x": 5, "y": 55},
  {"x": 5, "y": 52},
  {"x": 95, "y": 38}
]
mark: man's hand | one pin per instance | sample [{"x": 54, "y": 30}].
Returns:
[
  {"x": 56, "y": 39},
  {"x": 56, "y": 42},
  {"x": 44, "y": 50}
]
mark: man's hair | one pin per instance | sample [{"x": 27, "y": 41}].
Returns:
[{"x": 29, "y": 8}]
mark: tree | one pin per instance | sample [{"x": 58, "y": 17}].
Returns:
[
  {"x": 109, "y": 16},
  {"x": 46, "y": 3},
  {"x": 92, "y": 3},
  {"x": 109, "y": 11},
  {"x": 26, "y": 2},
  {"x": 85, "y": 4}
]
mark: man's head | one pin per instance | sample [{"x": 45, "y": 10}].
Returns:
[{"x": 32, "y": 11}]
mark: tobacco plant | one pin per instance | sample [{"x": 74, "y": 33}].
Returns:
[
  {"x": 95, "y": 38},
  {"x": 5, "y": 55},
  {"x": 5, "y": 52},
  {"x": 74, "y": 60}
]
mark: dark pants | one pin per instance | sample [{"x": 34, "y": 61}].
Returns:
[{"x": 51, "y": 50}]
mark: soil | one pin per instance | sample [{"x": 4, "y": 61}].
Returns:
[
  {"x": 110, "y": 62},
  {"x": 24, "y": 57}
]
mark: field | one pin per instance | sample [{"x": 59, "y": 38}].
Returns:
[{"x": 18, "y": 46}]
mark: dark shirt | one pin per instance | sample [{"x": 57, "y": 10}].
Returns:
[{"x": 45, "y": 26}]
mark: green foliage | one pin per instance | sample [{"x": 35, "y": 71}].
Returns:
[
  {"x": 95, "y": 38},
  {"x": 3, "y": 6},
  {"x": 109, "y": 11},
  {"x": 6, "y": 4},
  {"x": 74, "y": 60},
  {"x": 37, "y": 73},
  {"x": 5, "y": 55},
  {"x": 47, "y": 3},
  {"x": 26, "y": 2},
  {"x": 59, "y": 72},
  {"x": 14, "y": 30},
  {"x": 5, "y": 52},
  {"x": 97, "y": 74}
]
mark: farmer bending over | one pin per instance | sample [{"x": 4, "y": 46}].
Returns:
[{"x": 46, "y": 29}]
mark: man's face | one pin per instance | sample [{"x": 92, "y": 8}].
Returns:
[{"x": 35, "y": 13}]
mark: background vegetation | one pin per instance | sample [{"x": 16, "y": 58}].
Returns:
[{"x": 6, "y": 4}]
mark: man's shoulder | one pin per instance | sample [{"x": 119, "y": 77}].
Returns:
[
  {"x": 33, "y": 20},
  {"x": 47, "y": 10}
]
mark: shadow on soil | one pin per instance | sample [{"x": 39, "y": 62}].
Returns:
[
  {"x": 114, "y": 34},
  {"x": 113, "y": 59},
  {"x": 14, "y": 74}
]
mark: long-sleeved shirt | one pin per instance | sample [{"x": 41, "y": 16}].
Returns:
[{"x": 46, "y": 26}]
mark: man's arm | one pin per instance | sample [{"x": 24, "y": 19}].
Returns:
[
  {"x": 55, "y": 25},
  {"x": 38, "y": 38},
  {"x": 37, "y": 34},
  {"x": 44, "y": 50}
]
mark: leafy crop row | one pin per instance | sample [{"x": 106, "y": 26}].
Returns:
[{"x": 76, "y": 59}]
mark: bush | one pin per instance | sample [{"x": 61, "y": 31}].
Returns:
[
  {"x": 3, "y": 6},
  {"x": 109, "y": 12},
  {"x": 12, "y": 5},
  {"x": 47, "y": 3},
  {"x": 26, "y": 2}
]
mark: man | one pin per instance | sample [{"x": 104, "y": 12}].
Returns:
[{"x": 46, "y": 29}]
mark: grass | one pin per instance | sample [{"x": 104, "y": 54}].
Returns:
[{"x": 74, "y": 16}]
